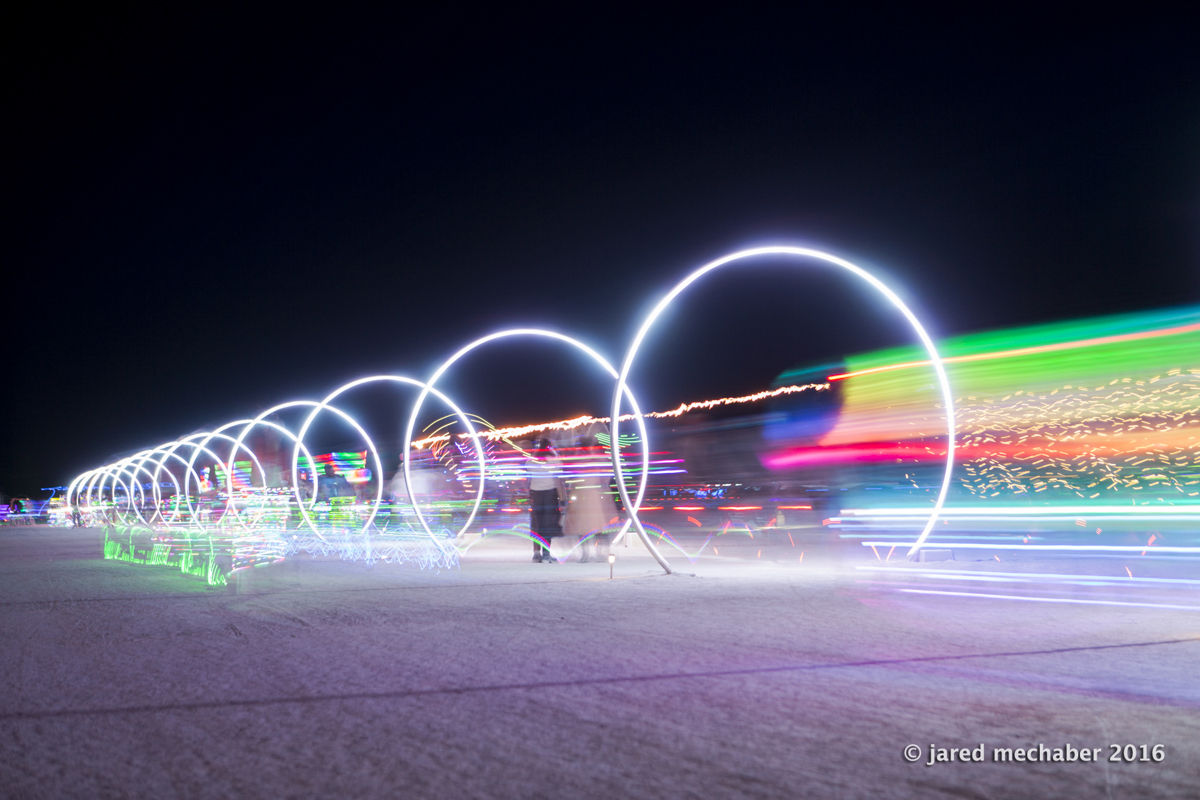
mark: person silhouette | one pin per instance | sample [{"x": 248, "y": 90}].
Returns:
[{"x": 545, "y": 485}]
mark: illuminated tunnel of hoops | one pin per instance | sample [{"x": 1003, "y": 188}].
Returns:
[{"x": 212, "y": 503}]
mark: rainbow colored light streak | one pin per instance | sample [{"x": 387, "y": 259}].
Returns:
[{"x": 1102, "y": 409}]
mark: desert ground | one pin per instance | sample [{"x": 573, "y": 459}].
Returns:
[{"x": 755, "y": 674}]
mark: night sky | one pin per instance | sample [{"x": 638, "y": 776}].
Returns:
[{"x": 208, "y": 215}]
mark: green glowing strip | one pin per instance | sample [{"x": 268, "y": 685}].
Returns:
[
  {"x": 1037, "y": 336},
  {"x": 1090, "y": 365},
  {"x": 165, "y": 554}
]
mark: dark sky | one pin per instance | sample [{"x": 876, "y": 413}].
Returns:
[{"x": 207, "y": 215}]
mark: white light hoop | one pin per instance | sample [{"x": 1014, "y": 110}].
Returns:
[
  {"x": 218, "y": 433},
  {"x": 104, "y": 478},
  {"x": 138, "y": 464},
  {"x": 75, "y": 485},
  {"x": 92, "y": 476},
  {"x": 318, "y": 408},
  {"x": 122, "y": 468},
  {"x": 97, "y": 490},
  {"x": 95, "y": 486},
  {"x": 98, "y": 479},
  {"x": 599, "y": 359},
  {"x": 105, "y": 474},
  {"x": 128, "y": 465},
  {"x": 96, "y": 483},
  {"x": 299, "y": 445},
  {"x": 425, "y": 389},
  {"x": 260, "y": 420},
  {"x": 113, "y": 472},
  {"x": 168, "y": 451},
  {"x": 159, "y": 468},
  {"x": 133, "y": 469},
  {"x": 196, "y": 449},
  {"x": 803, "y": 252},
  {"x": 158, "y": 498}
]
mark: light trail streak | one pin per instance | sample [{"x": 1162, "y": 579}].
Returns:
[
  {"x": 1069, "y": 600},
  {"x": 1080, "y": 548},
  {"x": 968, "y": 511},
  {"x": 1096, "y": 409},
  {"x": 1025, "y": 351},
  {"x": 500, "y": 434},
  {"x": 1027, "y": 577}
]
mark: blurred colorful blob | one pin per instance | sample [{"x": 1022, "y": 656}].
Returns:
[{"x": 1093, "y": 408}]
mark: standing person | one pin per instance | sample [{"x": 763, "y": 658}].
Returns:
[
  {"x": 590, "y": 509},
  {"x": 544, "y": 485},
  {"x": 333, "y": 485}
]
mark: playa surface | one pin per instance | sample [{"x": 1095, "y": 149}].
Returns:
[{"x": 756, "y": 676}]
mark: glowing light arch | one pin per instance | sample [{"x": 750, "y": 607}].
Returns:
[
  {"x": 92, "y": 476},
  {"x": 138, "y": 461},
  {"x": 126, "y": 466},
  {"x": 260, "y": 420},
  {"x": 806, "y": 253},
  {"x": 219, "y": 433},
  {"x": 159, "y": 468},
  {"x": 169, "y": 451},
  {"x": 203, "y": 446},
  {"x": 114, "y": 472},
  {"x": 425, "y": 390},
  {"x": 599, "y": 359}
]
